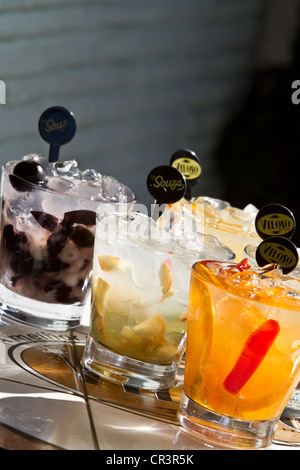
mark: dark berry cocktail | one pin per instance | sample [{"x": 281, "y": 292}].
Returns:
[{"x": 47, "y": 238}]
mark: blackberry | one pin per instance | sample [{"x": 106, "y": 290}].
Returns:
[
  {"x": 47, "y": 221},
  {"x": 81, "y": 236},
  {"x": 27, "y": 172},
  {"x": 14, "y": 241},
  {"x": 56, "y": 242},
  {"x": 22, "y": 263},
  {"x": 83, "y": 216}
]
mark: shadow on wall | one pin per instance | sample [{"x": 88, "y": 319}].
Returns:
[{"x": 258, "y": 152}]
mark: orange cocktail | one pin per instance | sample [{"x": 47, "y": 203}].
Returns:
[{"x": 243, "y": 350}]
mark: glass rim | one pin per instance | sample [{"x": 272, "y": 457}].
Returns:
[
  {"x": 196, "y": 263},
  {"x": 62, "y": 193},
  {"x": 160, "y": 245},
  {"x": 167, "y": 244},
  {"x": 102, "y": 215},
  {"x": 240, "y": 293}
]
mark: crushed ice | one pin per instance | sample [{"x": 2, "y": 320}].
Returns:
[
  {"x": 67, "y": 177},
  {"x": 184, "y": 241}
]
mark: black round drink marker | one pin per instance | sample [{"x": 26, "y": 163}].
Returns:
[
  {"x": 275, "y": 220},
  {"x": 279, "y": 250},
  {"x": 57, "y": 126},
  {"x": 187, "y": 162},
  {"x": 166, "y": 184}
]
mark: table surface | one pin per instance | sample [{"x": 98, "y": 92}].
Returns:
[{"x": 48, "y": 402}]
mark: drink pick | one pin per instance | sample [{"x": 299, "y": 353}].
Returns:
[
  {"x": 57, "y": 126},
  {"x": 276, "y": 224},
  {"x": 275, "y": 220},
  {"x": 166, "y": 184},
  {"x": 187, "y": 162},
  {"x": 278, "y": 250}
]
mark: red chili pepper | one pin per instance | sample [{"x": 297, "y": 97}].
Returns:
[
  {"x": 243, "y": 265},
  {"x": 254, "y": 350}
]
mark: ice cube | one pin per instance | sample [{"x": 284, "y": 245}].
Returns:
[
  {"x": 85, "y": 189},
  {"x": 90, "y": 175},
  {"x": 37, "y": 157},
  {"x": 143, "y": 229},
  {"x": 68, "y": 168},
  {"x": 216, "y": 204},
  {"x": 112, "y": 227},
  {"x": 293, "y": 294},
  {"x": 51, "y": 205},
  {"x": 214, "y": 249},
  {"x": 114, "y": 191},
  {"x": 250, "y": 209},
  {"x": 245, "y": 218},
  {"x": 144, "y": 274},
  {"x": 191, "y": 242},
  {"x": 176, "y": 223},
  {"x": 204, "y": 247},
  {"x": 140, "y": 226},
  {"x": 146, "y": 238},
  {"x": 58, "y": 184}
]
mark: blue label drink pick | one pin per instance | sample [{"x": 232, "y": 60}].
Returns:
[{"x": 57, "y": 126}]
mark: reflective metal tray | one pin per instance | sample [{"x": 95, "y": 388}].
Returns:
[{"x": 47, "y": 401}]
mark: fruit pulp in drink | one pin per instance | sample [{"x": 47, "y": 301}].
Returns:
[{"x": 139, "y": 302}]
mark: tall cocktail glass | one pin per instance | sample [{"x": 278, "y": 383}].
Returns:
[
  {"x": 139, "y": 300},
  {"x": 47, "y": 237},
  {"x": 242, "y": 356}
]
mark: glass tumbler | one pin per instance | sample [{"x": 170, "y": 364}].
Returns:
[
  {"x": 242, "y": 356},
  {"x": 47, "y": 240},
  {"x": 139, "y": 303}
]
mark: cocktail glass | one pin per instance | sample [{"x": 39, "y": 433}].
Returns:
[
  {"x": 47, "y": 238},
  {"x": 233, "y": 227},
  {"x": 139, "y": 300},
  {"x": 242, "y": 355},
  {"x": 293, "y": 406}
]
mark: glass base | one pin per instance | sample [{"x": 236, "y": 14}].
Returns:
[
  {"x": 126, "y": 370},
  {"x": 58, "y": 317},
  {"x": 223, "y": 430}
]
